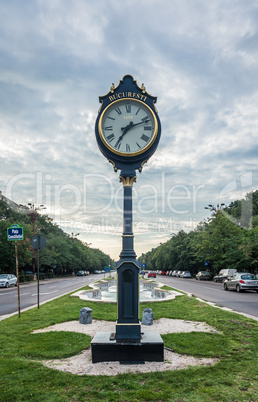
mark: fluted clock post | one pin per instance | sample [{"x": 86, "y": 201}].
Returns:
[{"x": 128, "y": 327}]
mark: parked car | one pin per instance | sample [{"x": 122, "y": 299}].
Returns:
[
  {"x": 178, "y": 274},
  {"x": 7, "y": 280},
  {"x": 203, "y": 276},
  {"x": 174, "y": 273},
  {"x": 80, "y": 273},
  {"x": 163, "y": 273},
  {"x": 241, "y": 281},
  {"x": 224, "y": 274},
  {"x": 185, "y": 274},
  {"x": 152, "y": 275}
]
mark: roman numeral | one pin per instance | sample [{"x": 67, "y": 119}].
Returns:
[
  {"x": 118, "y": 110},
  {"x": 138, "y": 145},
  {"x": 145, "y": 138},
  {"x": 109, "y": 128},
  {"x": 110, "y": 137},
  {"x": 118, "y": 144},
  {"x": 111, "y": 118},
  {"x": 147, "y": 128},
  {"x": 138, "y": 110},
  {"x": 128, "y": 108},
  {"x": 146, "y": 119},
  {"x": 128, "y": 148}
]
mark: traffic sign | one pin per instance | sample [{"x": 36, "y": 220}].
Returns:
[
  {"x": 143, "y": 265},
  {"x": 107, "y": 269},
  {"x": 206, "y": 263},
  {"x": 38, "y": 242},
  {"x": 15, "y": 232}
]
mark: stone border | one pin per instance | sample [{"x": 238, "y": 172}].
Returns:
[{"x": 156, "y": 290}]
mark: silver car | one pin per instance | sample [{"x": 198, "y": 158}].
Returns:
[
  {"x": 7, "y": 280},
  {"x": 241, "y": 281},
  {"x": 185, "y": 274}
]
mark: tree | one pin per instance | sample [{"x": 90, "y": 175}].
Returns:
[{"x": 66, "y": 253}]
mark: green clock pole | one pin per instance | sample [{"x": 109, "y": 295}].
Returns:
[
  {"x": 127, "y": 237},
  {"x": 128, "y": 327}
]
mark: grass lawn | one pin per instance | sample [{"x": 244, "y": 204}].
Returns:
[{"x": 234, "y": 378}]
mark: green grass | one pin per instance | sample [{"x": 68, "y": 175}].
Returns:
[
  {"x": 24, "y": 378},
  {"x": 165, "y": 287}
]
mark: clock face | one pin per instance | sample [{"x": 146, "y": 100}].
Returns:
[{"x": 128, "y": 127}]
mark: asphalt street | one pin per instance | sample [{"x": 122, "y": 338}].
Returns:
[
  {"x": 48, "y": 290},
  {"x": 246, "y": 302}
]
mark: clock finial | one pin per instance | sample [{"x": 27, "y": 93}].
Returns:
[
  {"x": 112, "y": 88},
  {"x": 143, "y": 89}
]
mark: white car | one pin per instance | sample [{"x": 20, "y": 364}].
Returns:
[
  {"x": 185, "y": 274},
  {"x": 7, "y": 280}
]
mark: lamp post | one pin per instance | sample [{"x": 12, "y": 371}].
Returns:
[
  {"x": 73, "y": 235},
  {"x": 216, "y": 208}
]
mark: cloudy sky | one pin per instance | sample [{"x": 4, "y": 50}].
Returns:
[{"x": 199, "y": 57}]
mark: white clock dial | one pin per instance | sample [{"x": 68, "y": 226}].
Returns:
[{"x": 128, "y": 127}]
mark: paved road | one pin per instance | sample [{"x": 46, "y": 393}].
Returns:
[
  {"x": 246, "y": 302},
  {"x": 48, "y": 290}
]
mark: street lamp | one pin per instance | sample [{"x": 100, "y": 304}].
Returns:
[
  {"x": 73, "y": 236},
  {"x": 216, "y": 208},
  {"x": 87, "y": 244}
]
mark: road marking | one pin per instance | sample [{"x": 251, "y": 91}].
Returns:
[{"x": 46, "y": 293}]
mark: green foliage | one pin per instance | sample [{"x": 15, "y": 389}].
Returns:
[
  {"x": 223, "y": 241},
  {"x": 66, "y": 253}
]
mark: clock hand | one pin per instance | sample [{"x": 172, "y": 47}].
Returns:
[
  {"x": 127, "y": 128},
  {"x": 124, "y": 129},
  {"x": 133, "y": 125}
]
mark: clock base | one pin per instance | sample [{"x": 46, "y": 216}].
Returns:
[{"x": 105, "y": 348}]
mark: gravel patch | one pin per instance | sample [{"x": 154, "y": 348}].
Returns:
[{"x": 82, "y": 365}]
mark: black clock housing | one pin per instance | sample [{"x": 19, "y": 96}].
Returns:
[{"x": 127, "y": 90}]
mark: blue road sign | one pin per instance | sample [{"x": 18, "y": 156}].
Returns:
[
  {"x": 107, "y": 269},
  {"x": 15, "y": 232},
  {"x": 206, "y": 263},
  {"x": 143, "y": 265}
]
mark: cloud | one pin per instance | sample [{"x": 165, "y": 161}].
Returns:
[{"x": 57, "y": 57}]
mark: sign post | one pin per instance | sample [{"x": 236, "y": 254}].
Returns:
[
  {"x": 106, "y": 269},
  {"x": 14, "y": 233},
  {"x": 38, "y": 241}
]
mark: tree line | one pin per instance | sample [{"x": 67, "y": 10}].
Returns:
[
  {"x": 228, "y": 239},
  {"x": 63, "y": 255}
]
